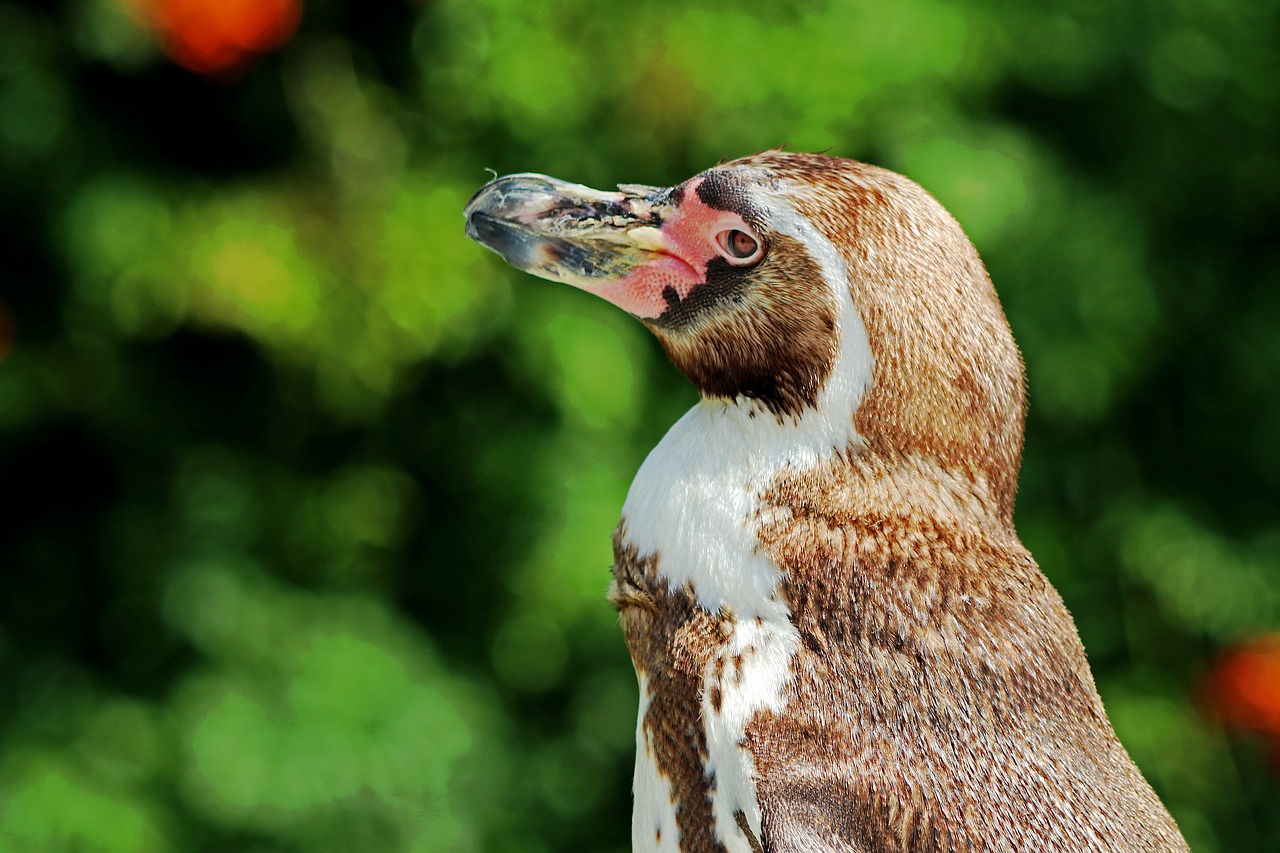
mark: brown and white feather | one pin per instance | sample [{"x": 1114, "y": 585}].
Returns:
[{"x": 840, "y": 641}]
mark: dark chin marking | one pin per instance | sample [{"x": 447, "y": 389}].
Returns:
[{"x": 724, "y": 288}]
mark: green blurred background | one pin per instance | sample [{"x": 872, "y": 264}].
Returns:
[{"x": 308, "y": 500}]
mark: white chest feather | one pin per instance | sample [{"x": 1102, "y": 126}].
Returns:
[{"x": 695, "y": 504}]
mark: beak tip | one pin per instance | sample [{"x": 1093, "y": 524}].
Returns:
[
  {"x": 473, "y": 225},
  {"x": 496, "y": 235}
]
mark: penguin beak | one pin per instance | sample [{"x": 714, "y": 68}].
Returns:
[{"x": 588, "y": 238}]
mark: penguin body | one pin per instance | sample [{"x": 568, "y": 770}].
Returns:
[{"x": 840, "y": 641}]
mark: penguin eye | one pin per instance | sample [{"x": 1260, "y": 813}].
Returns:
[{"x": 739, "y": 247}]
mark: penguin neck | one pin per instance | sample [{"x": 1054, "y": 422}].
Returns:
[{"x": 695, "y": 502}]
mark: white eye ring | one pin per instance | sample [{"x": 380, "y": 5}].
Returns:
[{"x": 739, "y": 247}]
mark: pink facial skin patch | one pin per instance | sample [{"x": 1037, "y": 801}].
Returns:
[{"x": 686, "y": 244}]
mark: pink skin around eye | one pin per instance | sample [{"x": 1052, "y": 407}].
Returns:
[{"x": 689, "y": 244}]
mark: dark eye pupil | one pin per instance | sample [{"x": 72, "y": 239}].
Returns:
[{"x": 741, "y": 244}]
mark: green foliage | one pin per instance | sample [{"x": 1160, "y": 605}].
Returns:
[{"x": 310, "y": 498}]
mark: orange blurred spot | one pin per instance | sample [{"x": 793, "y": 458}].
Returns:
[
  {"x": 1244, "y": 687},
  {"x": 219, "y": 37}
]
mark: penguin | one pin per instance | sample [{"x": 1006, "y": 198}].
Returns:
[{"x": 841, "y": 643}]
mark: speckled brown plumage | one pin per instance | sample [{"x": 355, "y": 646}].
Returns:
[
  {"x": 948, "y": 377},
  {"x": 671, "y": 641},
  {"x": 942, "y": 699}
]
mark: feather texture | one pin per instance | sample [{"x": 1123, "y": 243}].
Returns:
[{"x": 840, "y": 641}]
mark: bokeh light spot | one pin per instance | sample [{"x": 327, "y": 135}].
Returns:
[{"x": 218, "y": 37}]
